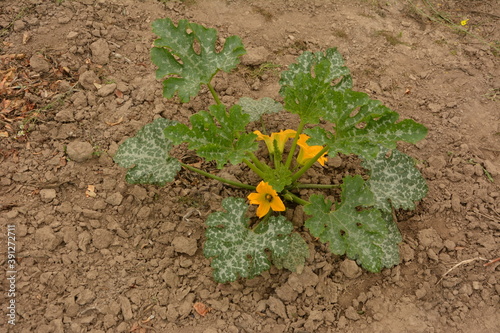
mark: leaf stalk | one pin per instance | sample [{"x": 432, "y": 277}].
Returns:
[
  {"x": 292, "y": 197},
  {"x": 221, "y": 179},
  {"x": 254, "y": 168},
  {"x": 257, "y": 162},
  {"x": 317, "y": 186},
  {"x": 289, "y": 159},
  {"x": 214, "y": 94}
]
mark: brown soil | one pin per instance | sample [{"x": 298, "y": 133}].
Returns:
[{"x": 95, "y": 254}]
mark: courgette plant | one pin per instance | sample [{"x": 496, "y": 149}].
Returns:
[{"x": 317, "y": 88}]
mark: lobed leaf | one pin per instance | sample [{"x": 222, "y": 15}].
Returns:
[
  {"x": 363, "y": 125},
  {"x": 389, "y": 246},
  {"x": 353, "y": 227},
  {"x": 278, "y": 177},
  {"x": 175, "y": 55},
  {"x": 146, "y": 155},
  {"x": 308, "y": 60},
  {"x": 255, "y": 108},
  {"x": 394, "y": 180},
  {"x": 307, "y": 85},
  {"x": 216, "y": 135},
  {"x": 295, "y": 258},
  {"x": 238, "y": 251}
]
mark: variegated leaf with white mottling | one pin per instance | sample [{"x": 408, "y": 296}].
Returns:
[
  {"x": 389, "y": 245},
  {"x": 238, "y": 251},
  {"x": 307, "y": 84},
  {"x": 217, "y": 135},
  {"x": 307, "y": 61},
  {"x": 395, "y": 180},
  {"x": 362, "y": 126},
  {"x": 255, "y": 108},
  {"x": 296, "y": 256},
  {"x": 146, "y": 155},
  {"x": 354, "y": 227},
  {"x": 186, "y": 68}
]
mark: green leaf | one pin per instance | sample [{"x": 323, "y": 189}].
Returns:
[
  {"x": 353, "y": 227},
  {"x": 190, "y": 59},
  {"x": 257, "y": 107},
  {"x": 307, "y": 85},
  {"x": 296, "y": 256},
  {"x": 363, "y": 125},
  {"x": 279, "y": 177},
  {"x": 146, "y": 155},
  {"x": 216, "y": 135},
  {"x": 395, "y": 180},
  {"x": 237, "y": 251},
  {"x": 389, "y": 246},
  {"x": 307, "y": 60}
]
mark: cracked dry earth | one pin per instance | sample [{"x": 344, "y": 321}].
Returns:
[{"x": 95, "y": 254}]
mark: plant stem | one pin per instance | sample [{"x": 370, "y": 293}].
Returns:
[
  {"x": 319, "y": 186},
  {"x": 309, "y": 163},
  {"x": 224, "y": 180},
  {"x": 257, "y": 162},
  {"x": 254, "y": 168},
  {"x": 294, "y": 144},
  {"x": 214, "y": 94},
  {"x": 290, "y": 196}
]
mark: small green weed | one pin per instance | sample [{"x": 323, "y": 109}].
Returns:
[
  {"x": 492, "y": 94},
  {"x": 265, "y": 68},
  {"x": 458, "y": 24},
  {"x": 98, "y": 151},
  {"x": 268, "y": 16},
  {"x": 391, "y": 38},
  {"x": 340, "y": 33}
]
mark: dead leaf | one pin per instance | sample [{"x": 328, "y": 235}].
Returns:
[
  {"x": 148, "y": 319},
  {"x": 115, "y": 123},
  {"x": 4, "y": 134},
  {"x": 118, "y": 93},
  {"x": 13, "y": 56},
  {"x": 4, "y": 84},
  {"x": 137, "y": 328},
  {"x": 90, "y": 192},
  {"x": 63, "y": 161},
  {"x": 26, "y": 37},
  {"x": 201, "y": 309},
  {"x": 5, "y": 104}
]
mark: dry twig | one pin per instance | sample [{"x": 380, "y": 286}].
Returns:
[
  {"x": 492, "y": 261},
  {"x": 459, "y": 264}
]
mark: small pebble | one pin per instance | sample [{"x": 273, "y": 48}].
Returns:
[
  {"x": 185, "y": 245},
  {"x": 352, "y": 314},
  {"x": 115, "y": 199},
  {"x": 79, "y": 151},
  {"x": 420, "y": 293},
  {"x": 350, "y": 269},
  {"x": 47, "y": 194}
]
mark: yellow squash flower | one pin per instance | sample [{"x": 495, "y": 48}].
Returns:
[
  {"x": 281, "y": 137},
  {"x": 464, "y": 22},
  {"x": 307, "y": 152},
  {"x": 267, "y": 198}
]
